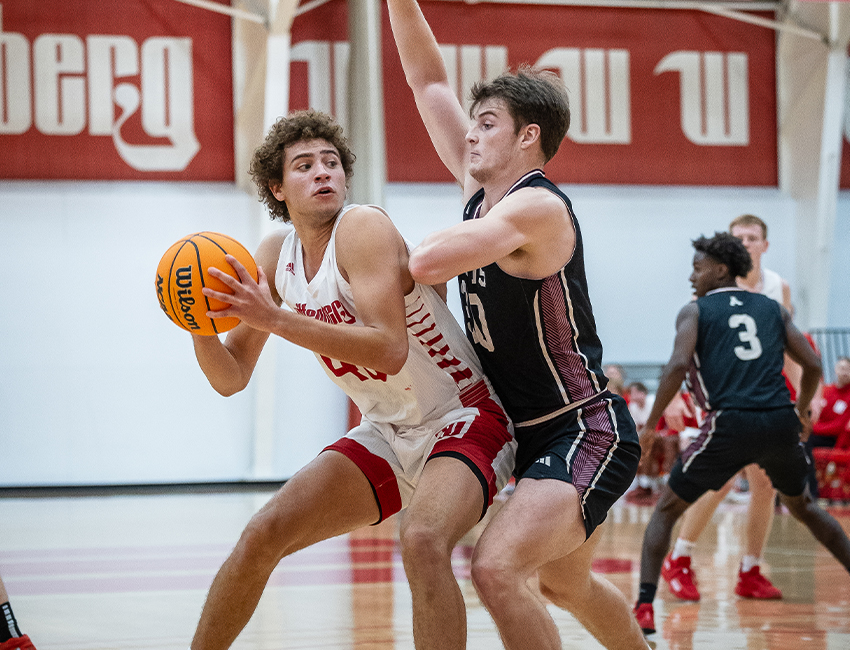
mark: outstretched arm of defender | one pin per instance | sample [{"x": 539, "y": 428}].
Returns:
[
  {"x": 529, "y": 232},
  {"x": 425, "y": 70}
]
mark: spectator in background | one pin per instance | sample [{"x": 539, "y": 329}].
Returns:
[
  {"x": 640, "y": 404},
  {"x": 655, "y": 466},
  {"x": 616, "y": 380},
  {"x": 831, "y": 420}
]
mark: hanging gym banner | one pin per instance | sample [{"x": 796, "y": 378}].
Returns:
[
  {"x": 658, "y": 97},
  {"x": 140, "y": 89}
]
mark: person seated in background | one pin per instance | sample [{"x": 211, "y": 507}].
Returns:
[
  {"x": 616, "y": 380},
  {"x": 829, "y": 442},
  {"x": 655, "y": 466},
  {"x": 640, "y": 404},
  {"x": 831, "y": 414}
]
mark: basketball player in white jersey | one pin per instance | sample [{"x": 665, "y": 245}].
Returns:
[
  {"x": 433, "y": 438},
  {"x": 752, "y": 232}
]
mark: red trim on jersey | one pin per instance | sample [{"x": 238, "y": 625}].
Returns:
[
  {"x": 377, "y": 471},
  {"x": 471, "y": 395}
]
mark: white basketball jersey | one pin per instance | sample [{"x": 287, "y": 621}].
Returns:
[
  {"x": 441, "y": 372},
  {"x": 771, "y": 285}
]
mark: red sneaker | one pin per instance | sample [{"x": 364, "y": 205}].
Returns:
[
  {"x": 645, "y": 616},
  {"x": 752, "y": 584},
  {"x": 642, "y": 496},
  {"x": 18, "y": 643},
  {"x": 679, "y": 577}
]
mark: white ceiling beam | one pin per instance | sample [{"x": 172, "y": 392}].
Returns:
[{"x": 227, "y": 10}]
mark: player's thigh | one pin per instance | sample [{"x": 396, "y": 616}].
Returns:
[
  {"x": 712, "y": 459},
  {"x": 784, "y": 460},
  {"x": 540, "y": 522},
  {"x": 447, "y": 502},
  {"x": 327, "y": 497}
]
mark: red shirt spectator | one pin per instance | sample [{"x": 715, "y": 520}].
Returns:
[{"x": 834, "y": 418}]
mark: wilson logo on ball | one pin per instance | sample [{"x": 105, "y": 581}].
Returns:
[{"x": 183, "y": 272}]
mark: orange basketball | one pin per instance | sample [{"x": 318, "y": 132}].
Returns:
[{"x": 183, "y": 272}]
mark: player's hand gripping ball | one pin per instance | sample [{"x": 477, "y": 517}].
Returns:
[{"x": 183, "y": 272}]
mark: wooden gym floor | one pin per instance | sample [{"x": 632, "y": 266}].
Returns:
[{"x": 131, "y": 573}]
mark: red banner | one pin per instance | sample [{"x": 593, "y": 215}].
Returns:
[
  {"x": 140, "y": 89},
  {"x": 657, "y": 96}
]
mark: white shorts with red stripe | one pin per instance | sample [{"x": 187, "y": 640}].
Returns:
[{"x": 393, "y": 458}]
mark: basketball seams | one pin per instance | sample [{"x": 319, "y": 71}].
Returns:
[
  {"x": 192, "y": 252},
  {"x": 202, "y": 273},
  {"x": 171, "y": 285}
]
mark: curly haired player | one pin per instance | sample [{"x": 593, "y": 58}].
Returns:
[{"x": 434, "y": 439}]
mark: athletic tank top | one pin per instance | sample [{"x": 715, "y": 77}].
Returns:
[
  {"x": 536, "y": 339},
  {"x": 739, "y": 354},
  {"x": 771, "y": 285},
  {"x": 441, "y": 372}
]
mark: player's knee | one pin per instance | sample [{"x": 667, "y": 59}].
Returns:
[
  {"x": 265, "y": 539},
  {"x": 491, "y": 577},
  {"x": 801, "y": 507},
  {"x": 423, "y": 545}
]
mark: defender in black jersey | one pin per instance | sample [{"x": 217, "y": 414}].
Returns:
[
  {"x": 537, "y": 342},
  {"x": 520, "y": 259},
  {"x": 730, "y": 345}
]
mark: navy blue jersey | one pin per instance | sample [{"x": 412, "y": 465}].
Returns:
[
  {"x": 740, "y": 350},
  {"x": 536, "y": 339}
]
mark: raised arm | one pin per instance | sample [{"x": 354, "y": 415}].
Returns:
[
  {"x": 372, "y": 256},
  {"x": 425, "y": 70}
]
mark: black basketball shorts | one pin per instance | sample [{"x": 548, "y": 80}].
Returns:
[
  {"x": 731, "y": 439},
  {"x": 594, "y": 447}
]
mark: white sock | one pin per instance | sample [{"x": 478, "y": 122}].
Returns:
[
  {"x": 682, "y": 548},
  {"x": 748, "y": 562}
]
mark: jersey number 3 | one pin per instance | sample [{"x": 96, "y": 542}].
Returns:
[{"x": 752, "y": 349}]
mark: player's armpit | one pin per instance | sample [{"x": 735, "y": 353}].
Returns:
[{"x": 267, "y": 256}]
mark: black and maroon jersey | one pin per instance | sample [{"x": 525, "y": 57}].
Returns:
[
  {"x": 536, "y": 339},
  {"x": 740, "y": 352}
]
